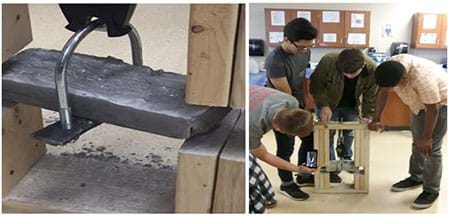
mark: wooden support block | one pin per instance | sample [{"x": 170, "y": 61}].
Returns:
[
  {"x": 238, "y": 76},
  {"x": 19, "y": 150},
  {"x": 197, "y": 167},
  {"x": 212, "y": 34},
  {"x": 229, "y": 195},
  {"x": 16, "y": 29},
  {"x": 361, "y": 157}
]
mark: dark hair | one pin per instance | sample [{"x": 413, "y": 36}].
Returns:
[
  {"x": 300, "y": 29},
  {"x": 389, "y": 73},
  {"x": 350, "y": 60}
]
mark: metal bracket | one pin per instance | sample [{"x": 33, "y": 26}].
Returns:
[
  {"x": 64, "y": 59},
  {"x": 70, "y": 128},
  {"x": 343, "y": 165}
]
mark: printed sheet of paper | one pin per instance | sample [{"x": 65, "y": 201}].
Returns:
[
  {"x": 357, "y": 38},
  {"x": 430, "y": 21},
  {"x": 428, "y": 38},
  {"x": 357, "y": 20},
  {"x": 304, "y": 14},
  {"x": 329, "y": 37},
  {"x": 331, "y": 16},
  {"x": 277, "y": 18},
  {"x": 276, "y": 37}
]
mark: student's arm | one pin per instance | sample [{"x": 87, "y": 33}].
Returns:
[
  {"x": 318, "y": 87},
  {"x": 262, "y": 153},
  {"x": 424, "y": 144},
  {"x": 381, "y": 100},
  {"x": 281, "y": 84},
  {"x": 369, "y": 95}
]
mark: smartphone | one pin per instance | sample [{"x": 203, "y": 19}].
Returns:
[{"x": 311, "y": 161}]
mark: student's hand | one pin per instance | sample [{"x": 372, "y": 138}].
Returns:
[
  {"x": 325, "y": 114},
  {"x": 424, "y": 146},
  {"x": 304, "y": 169},
  {"x": 365, "y": 121},
  {"x": 376, "y": 126}
]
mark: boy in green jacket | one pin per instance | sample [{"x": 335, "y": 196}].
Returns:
[{"x": 341, "y": 83}]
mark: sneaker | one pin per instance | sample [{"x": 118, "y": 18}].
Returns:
[
  {"x": 406, "y": 184},
  {"x": 270, "y": 204},
  {"x": 335, "y": 178},
  {"x": 306, "y": 180},
  {"x": 293, "y": 192},
  {"x": 425, "y": 200}
]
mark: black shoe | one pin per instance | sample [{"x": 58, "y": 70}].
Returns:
[
  {"x": 270, "y": 204},
  {"x": 425, "y": 200},
  {"x": 406, "y": 184},
  {"x": 335, "y": 178},
  {"x": 293, "y": 192},
  {"x": 305, "y": 181}
]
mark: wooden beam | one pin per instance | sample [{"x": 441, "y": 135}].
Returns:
[
  {"x": 212, "y": 34},
  {"x": 238, "y": 76},
  {"x": 229, "y": 195},
  {"x": 19, "y": 150},
  {"x": 197, "y": 167},
  {"x": 16, "y": 29}
]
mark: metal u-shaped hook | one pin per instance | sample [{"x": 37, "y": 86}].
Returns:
[{"x": 64, "y": 59}]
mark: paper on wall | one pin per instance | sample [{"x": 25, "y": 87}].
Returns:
[
  {"x": 331, "y": 16},
  {"x": 276, "y": 37},
  {"x": 304, "y": 14},
  {"x": 430, "y": 21},
  {"x": 357, "y": 38},
  {"x": 428, "y": 38},
  {"x": 277, "y": 18},
  {"x": 387, "y": 30},
  {"x": 329, "y": 37},
  {"x": 357, "y": 20}
]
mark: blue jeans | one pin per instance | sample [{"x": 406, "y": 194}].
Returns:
[{"x": 341, "y": 114}]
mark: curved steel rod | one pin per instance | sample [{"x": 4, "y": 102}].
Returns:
[
  {"x": 136, "y": 46},
  {"x": 61, "y": 69},
  {"x": 64, "y": 59}
]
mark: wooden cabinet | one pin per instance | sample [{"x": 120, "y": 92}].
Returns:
[
  {"x": 336, "y": 28},
  {"x": 429, "y": 31},
  {"x": 396, "y": 115}
]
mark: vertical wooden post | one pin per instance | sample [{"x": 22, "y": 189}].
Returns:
[
  {"x": 19, "y": 150},
  {"x": 212, "y": 34},
  {"x": 238, "y": 76}
]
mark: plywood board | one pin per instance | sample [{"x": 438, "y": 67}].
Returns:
[{"x": 85, "y": 185}]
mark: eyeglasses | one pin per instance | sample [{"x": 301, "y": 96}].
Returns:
[{"x": 302, "y": 47}]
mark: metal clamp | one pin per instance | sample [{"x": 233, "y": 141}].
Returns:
[
  {"x": 64, "y": 59},
  {"x": 343, "y": 165}
]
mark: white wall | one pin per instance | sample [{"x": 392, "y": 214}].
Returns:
[
  {"x": 399, "y": 15},
  {"x": 162, "y": 28}
]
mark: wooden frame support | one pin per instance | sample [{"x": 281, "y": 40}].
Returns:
[
  {"x": 196, "y": 171},
  {"x": 19, "y": 150},
  {"x": 361, "y": 158},
  {"x": 211, "y": 51}
]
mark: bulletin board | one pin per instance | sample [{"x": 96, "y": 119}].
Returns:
[{"x": 336, "y": 28}]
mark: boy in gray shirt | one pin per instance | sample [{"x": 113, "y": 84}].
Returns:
[{"x": 271, "y": 109}]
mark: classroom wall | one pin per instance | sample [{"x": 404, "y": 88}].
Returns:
[{"x": 399, "y": 15}]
